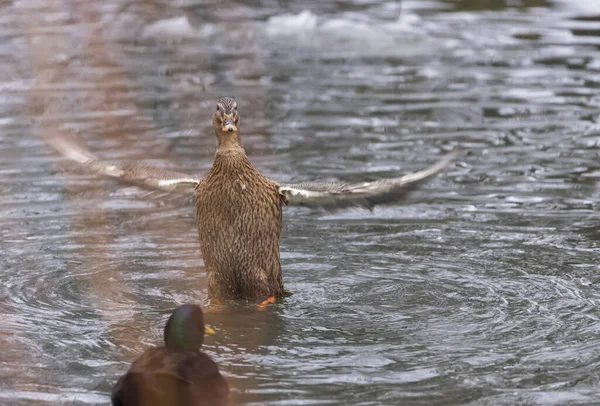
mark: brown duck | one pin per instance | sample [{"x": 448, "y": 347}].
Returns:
[
  {"x": 239, "y": 210},
  {"x": 178, "y": 373}
]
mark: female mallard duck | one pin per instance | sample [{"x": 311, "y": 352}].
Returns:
[
  {"x": 177, "y": 374},
  {"x": 239, "y": 210}
]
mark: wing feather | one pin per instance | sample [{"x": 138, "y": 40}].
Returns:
[
  {"x": 334, "y": 196},
  {"x": 138, "y": 174}
]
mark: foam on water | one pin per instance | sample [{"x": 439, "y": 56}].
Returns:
[
  {"x": 349, "y": 32},
  {"x": 177, "y": 28},
  {"x": 359, "y": 33}
]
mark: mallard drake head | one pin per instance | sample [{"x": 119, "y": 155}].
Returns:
[
  {"x": 185, "y": 329},
  {"x": 226, "y": 119}
]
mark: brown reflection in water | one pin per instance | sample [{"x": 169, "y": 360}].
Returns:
[
  {"x": 15, "y": 350},
  {"x": 108, "y": 94},
  {"x": 55, "y": 111},
  {"x": 92, "y": 227},
  {"x": 244, "y": 331},
  {"x": 15, "y": 353}
]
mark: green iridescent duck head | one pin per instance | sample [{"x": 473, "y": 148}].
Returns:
[{"x": 185, "y": 329}]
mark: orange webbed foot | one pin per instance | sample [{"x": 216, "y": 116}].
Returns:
[{"x": 270, "y": 300}]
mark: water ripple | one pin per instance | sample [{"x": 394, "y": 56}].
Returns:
[{"x": 481, "y": 290}]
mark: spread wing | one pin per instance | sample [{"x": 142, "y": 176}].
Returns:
[
  {"x": 334, "y": 196},
  {"x": 138, "y": 174}
]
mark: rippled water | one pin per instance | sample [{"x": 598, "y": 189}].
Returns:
[{"x": 481, "y": 291}]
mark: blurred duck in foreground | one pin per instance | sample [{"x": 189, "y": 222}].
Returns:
[
  {"x": 178, "y": 374},
  {"x": 239, "y": 210}
]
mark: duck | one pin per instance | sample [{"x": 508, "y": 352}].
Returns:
[
  {"x": 239, "y": 210},
  {"x": 178, "y": 373}
]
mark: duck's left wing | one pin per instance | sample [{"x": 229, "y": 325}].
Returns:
[
  {"x": 135, "y": 173},
  {"x": 334, "y": 196}
]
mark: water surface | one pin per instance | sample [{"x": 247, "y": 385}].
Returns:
[{"x": 481, "y": 290}]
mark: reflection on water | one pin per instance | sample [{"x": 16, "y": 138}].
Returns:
[{"x": 481, "y": 291}]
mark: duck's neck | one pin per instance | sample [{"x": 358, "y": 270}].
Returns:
[
  {"x": 229, "y": 141},
  {"x": 230, "y": 153}
]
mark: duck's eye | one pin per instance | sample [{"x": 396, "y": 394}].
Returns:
[
  {"x": 235, "y": 107},
  {"x": 217, "y": 107}
]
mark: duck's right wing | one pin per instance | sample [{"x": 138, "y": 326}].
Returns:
[{"x": 138, "y": 174}]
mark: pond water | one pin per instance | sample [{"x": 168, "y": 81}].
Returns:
[{"x": 480, "y": 290}]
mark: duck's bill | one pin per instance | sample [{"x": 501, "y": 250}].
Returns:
[
  {"x": 229, "y": 126},
  {"x": 209, "y": 331}
]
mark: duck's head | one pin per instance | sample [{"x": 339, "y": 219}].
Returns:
[
  {"x": 185, "y": 329},
  {"x": 226, "y": 118}
]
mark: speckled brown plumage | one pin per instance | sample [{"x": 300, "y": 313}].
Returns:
[
  {"x": 238, "y": 210},
  {"x": 239, "y": 215}
]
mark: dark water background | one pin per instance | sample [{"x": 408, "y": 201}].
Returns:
[{"x": 481, "y": 291}]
